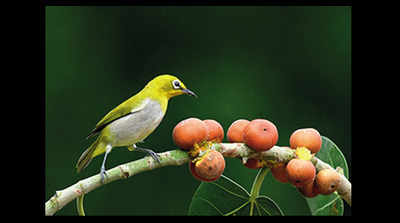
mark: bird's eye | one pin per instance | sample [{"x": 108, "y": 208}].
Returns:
[{"x": 176, "y": 84}]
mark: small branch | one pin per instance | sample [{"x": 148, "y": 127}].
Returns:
[
  {"x": 344, "y": 188},
  {"x": 123, "y": 171},
  {"x": 177, "y": 158},
  {"x": 240, "y": 150}
]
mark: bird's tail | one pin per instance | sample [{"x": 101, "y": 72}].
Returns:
[{"x": 95, "y": 149}]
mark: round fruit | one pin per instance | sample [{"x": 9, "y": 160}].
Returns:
[
  {"x": 209, "y": 168},
  {"x": 308, "y": 137},
  {"x": 279, "y": 172},
  {"x": 215, "y": 130},
  {"x": 260, "y": 135},
  {"x": 327, "y": 181},
  {"x": 300, "y": 172},
  {"x": 309, "y": 190},
  {"x": 188, "y": 132},
  {"x": 254, "y": 164},
  {"x": 235, "y": 131}
]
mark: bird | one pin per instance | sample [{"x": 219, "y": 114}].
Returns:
[{"x": 133, "y": 120}]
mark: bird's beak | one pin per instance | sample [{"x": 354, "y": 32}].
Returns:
[{"x": 189, "y": 92}]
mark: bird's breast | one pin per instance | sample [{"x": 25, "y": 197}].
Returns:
[{"x": 137, "y": 126}]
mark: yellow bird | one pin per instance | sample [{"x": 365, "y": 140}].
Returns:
[{"x": 133, "y": 120}]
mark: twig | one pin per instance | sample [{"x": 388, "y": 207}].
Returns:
[
  {"x": 177, "y": 158},
  {"x": 123, "y": 171},
  {"x": 344, "y": 188}
]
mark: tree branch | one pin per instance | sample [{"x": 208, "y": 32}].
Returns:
[
  {"x": 123, "y": 171},
  {"x": 177, "y": 158}
]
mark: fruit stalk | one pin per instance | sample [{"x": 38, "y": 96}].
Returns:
[{"x": 255, "y": 189}]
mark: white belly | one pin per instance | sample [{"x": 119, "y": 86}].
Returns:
[{"x": 137, "y": 126}]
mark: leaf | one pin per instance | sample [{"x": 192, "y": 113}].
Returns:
[
  {"x": 332, "y": 155},
  {"x": 226, "y": 197},
  {"x": 266, "y": 206},
  {"x": 329, "y": 204}
]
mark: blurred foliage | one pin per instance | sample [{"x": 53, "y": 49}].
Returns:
[{"x": 290, "y": 65}]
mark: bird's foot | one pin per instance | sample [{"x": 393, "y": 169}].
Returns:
[
  {"x": 150, "y": 152},
  {"x": 103, "y": 174}
]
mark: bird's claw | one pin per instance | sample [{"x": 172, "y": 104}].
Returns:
[
  {"x": 155, "y": 156},
  {"x": 103, "y": 174}
]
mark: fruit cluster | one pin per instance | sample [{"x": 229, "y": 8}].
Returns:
[
  {"x": 302, "y": 173},
  {"x": 261, "y": 135},
  {"x": 196, "y": 136}
]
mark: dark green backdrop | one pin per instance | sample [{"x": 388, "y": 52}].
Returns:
[{"x": 290, "y": 65}]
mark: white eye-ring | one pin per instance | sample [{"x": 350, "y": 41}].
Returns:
[{"x": 176, "y": 84}]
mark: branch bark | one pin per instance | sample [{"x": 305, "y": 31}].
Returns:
[{"x": 177, "y": 158}]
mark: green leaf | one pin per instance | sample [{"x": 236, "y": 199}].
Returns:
[
  {"x": 266, "y": 206},
  {"x": 332, "y": 155},
  {"x": 329, "y": 204},
  {"x": 226, "y": 197}
]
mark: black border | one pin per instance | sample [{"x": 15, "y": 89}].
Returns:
[{"x": 42, "y": 8}]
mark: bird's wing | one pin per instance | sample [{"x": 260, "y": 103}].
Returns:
[{"x": 122, "y": 110}]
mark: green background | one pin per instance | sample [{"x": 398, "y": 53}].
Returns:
[{"x": 288, "y": 64}]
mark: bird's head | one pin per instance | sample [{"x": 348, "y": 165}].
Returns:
[{"x": 169, "y": 85}]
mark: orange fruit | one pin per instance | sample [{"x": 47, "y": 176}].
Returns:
[
  {"x": 260, "y": 135},
  {"x": 309, "y": 190},
  {"x": 235, "y": 131},
  {"x": 215, "y": 130},
  {"x": 300, "y": 172},
  {"x": 188, "y": 132},
  {"x": 279, "y": 173},
  {"x": 327, "y": 181},
  {"x": 209, "y": 168},
  {"x": 254, "y": 164},
  {"x": 307, "y": 137}
]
